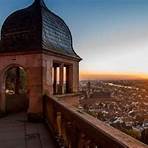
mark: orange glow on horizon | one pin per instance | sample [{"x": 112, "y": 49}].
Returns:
[{"x": 91, "y": 75}]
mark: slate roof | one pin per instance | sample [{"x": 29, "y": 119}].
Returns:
[{"x": 36, "y": 28}]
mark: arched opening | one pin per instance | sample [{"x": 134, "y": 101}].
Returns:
[{"x": 16, "y": 98}]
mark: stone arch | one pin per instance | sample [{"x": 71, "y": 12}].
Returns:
[{"x": 3, "y": 82}]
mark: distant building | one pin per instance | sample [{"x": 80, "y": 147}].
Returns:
[{"x": 101, "y": 94}]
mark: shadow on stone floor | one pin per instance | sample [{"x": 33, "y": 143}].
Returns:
[{"x": 16, "y": 132}]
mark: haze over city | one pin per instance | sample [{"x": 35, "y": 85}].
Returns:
[{"x": 110, "y": 35}]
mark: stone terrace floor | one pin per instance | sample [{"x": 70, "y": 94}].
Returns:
[{"x": 16, "y": 132}]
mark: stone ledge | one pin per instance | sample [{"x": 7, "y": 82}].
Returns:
[{"x": 94, "y": 128}]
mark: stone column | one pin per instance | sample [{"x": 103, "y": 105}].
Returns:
[
  {"x": 17, "y": 81},
  {"x": 55, "y": 80},
  {"x": 69, "y": 79},
  {"x": 62, "y": 78},
  {"x": 35, "y": 93},
  {"x": 2, "y": 94},
  {"x": 75, "y": 78}
]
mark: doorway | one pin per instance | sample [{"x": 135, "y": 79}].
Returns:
[{"x": 16, "y": 90}]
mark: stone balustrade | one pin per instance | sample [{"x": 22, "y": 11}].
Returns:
[{"x": 73, "y": 128}]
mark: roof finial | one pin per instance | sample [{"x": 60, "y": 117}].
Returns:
[
  {"x": 40, "y": 2},
  {"x": 37, "y": 0}
]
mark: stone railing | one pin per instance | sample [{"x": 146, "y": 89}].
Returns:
[{"x": 75, "y": 129}]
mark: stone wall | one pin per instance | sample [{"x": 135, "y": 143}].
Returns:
[{"x": 32, "y": 65}]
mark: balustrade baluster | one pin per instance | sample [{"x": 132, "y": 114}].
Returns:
[
  {"x": 77, "y": 130},
  {"x": 73, "y": 134},
  {"x": 63, "y": 130},
  {"x": 59, "y": 124},
  {"x": 81, "y": 143}
]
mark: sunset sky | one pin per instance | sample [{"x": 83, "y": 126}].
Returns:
[{"x": 110, "y": 35}]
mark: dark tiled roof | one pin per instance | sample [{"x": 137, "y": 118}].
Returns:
[{"x": 36, "y": 28}]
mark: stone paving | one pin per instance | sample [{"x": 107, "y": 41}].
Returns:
[{"x": 16, "y": 132}]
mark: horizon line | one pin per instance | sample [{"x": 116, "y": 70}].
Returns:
[{"x": 87, "y": 75}]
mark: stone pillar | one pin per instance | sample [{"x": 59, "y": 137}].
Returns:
[
  {"x": 35, "y": 93},
  {"x": 17, "y": 81},
  {"x": 47, "y": 77},
  {"x": 75, "y": 78},
  {"x": 2, "y": 94},
  {"x": 55, "y": 80},
  {"x": 62, "y": 78},
  {"x": 69, "y": 79}
]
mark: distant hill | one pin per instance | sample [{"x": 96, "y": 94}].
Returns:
[{"x": 86, "y": 76}]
